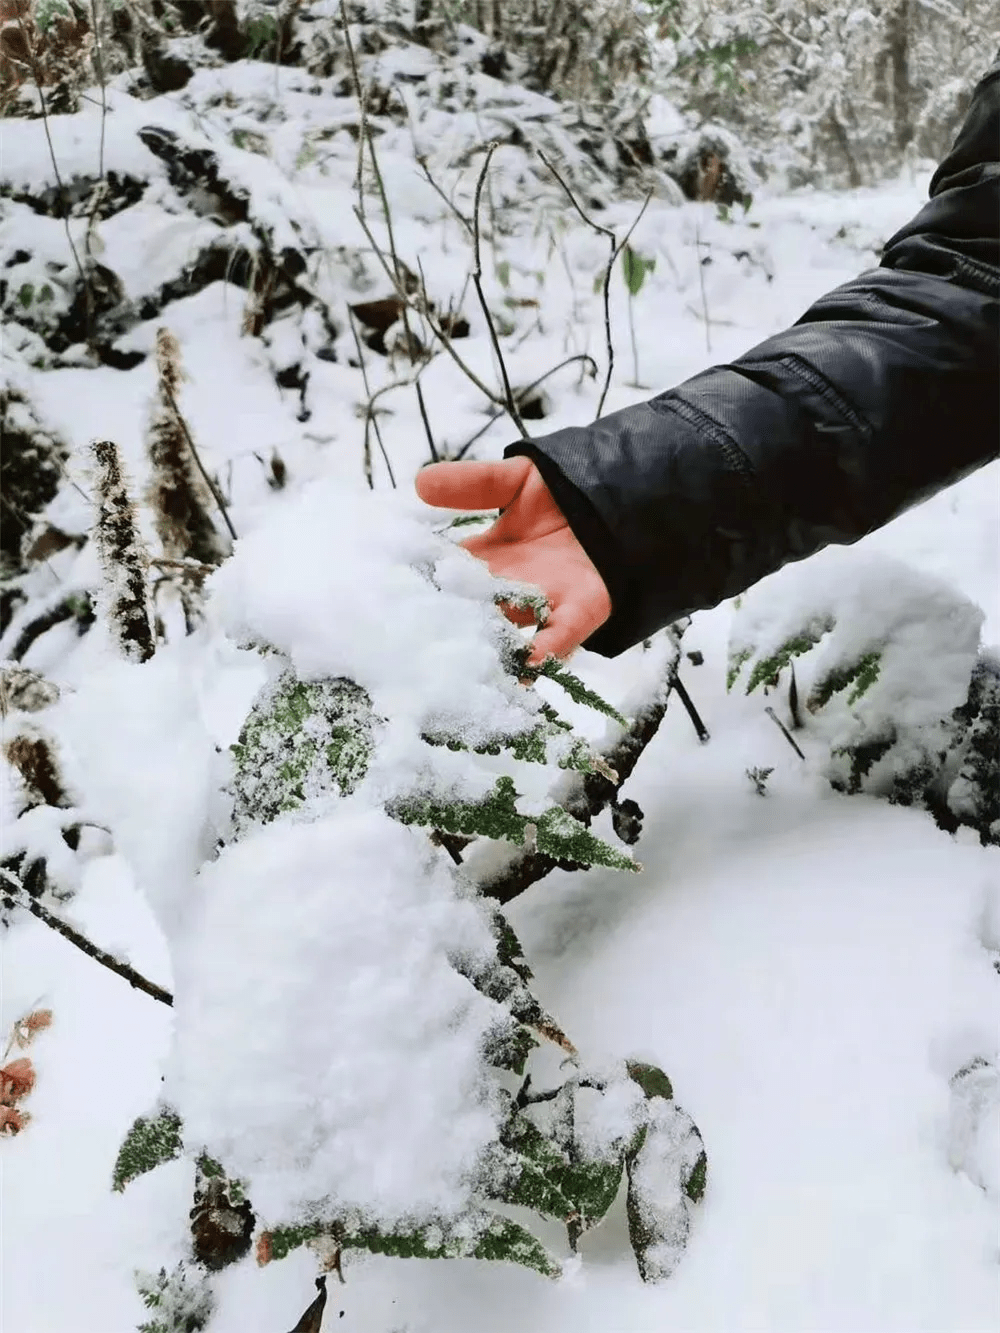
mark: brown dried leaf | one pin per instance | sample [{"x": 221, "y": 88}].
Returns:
[
  {"x": 16, "y": 1080},
  {"x": 12, "y": 1121},
  {"x": 26, "y": 1029}
]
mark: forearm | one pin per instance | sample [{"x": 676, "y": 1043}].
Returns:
[{"x": 885, "y": 391}]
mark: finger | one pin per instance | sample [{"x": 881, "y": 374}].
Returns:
[
  {"x": 564, "y": 631},
  {"x": 517, "y": 615},
  {"x": 473, "y": 485}
]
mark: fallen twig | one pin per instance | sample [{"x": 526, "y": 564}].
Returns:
[
  {"x": 784, "y": 731},
  {"x": 68, "y": 932}
]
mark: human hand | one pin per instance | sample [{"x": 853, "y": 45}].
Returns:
[{"x": 530, "y": 541}]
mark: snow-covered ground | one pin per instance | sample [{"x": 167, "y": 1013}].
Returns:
[{"x": 810, "y": 968}]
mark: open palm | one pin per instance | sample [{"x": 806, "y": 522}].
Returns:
[{"x": 530, "y": 541}]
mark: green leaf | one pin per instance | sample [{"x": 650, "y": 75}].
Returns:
[
  {"x": 576, "y": 689},
  {"x": 768, "y": 667},
  {"x": 503, "y": 273},
  {"x": 562, "y": 836},
  {"x": 26, "y": 294},
  {"x": 862, "y": 674},
  {"x": 182, "y": 1299},
  {"x": 477, "y": 1235},
  {"x": 599, "y": 283},
  {"x": 635, "y": 267},
  {"x": 45, "y": 293},
  {"x": 667, "y": 1172},
  {"x": 737, "y": 661},
  {"x": 300, "y": 738},
  {"x": 464, "y": 519},
  {"x": 652, "y": 1080},
  {"x": 259, "y": 31},
  {"x": 494, "y": 816},
  {"x": 150, "y": 1142}
]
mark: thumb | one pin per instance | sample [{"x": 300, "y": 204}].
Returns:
[{"x": 473, "y": 485}]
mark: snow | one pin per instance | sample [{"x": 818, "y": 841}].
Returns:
[
  {"x": 813, "y": 971},
  {"x": 306, "y": 1069}
]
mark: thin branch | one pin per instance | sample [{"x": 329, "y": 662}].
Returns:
[
  {"x": 55, "y": 165},
  {"x": 784, "y": 731},
  {"x": 580, "y": 356},
  {"x": 616, "y": 250},
  {"x": 422, "y": 164},
  {"x": 362, "y": 105},
  {"x": 602, "y": 231},
  {"x": 477, "y": 280},
  {"x": 216, "y": 493},
  {"x": 701, "y": 281},
  {"x": 68, "y": 932},
  {"x": 99, "y": 69},
  {"x": 370, "y": 417},
  {"x": 692, "y": 712},
  {"x": 426, "y": 421},
  {"x": 436, "y": 329}
]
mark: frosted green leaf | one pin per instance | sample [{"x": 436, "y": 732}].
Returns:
[
  {"x": 151, "y": 1141},
  {"x": 768, "y": 667},
  {"x": 667, "y": 1172},
  {"x": 862, "y": 674},
  {"x": 577, "y": 691},
  {"x": 181, "y": 1300},
  {"x": 477, "y": 1235},
  {"x": 565, "y": 838},
  {"x": 300, "y": 740}
]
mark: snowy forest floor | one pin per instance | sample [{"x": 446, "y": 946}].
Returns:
[{"x": 812, "y": 968}]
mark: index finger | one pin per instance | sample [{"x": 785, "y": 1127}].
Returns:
[{"x": 472, "y": 485}]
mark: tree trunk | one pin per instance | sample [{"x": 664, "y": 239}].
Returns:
[{"x": 898, "y": 46}]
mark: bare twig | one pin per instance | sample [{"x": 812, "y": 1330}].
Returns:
[
  {"x": 701, "y": 281},
  {"x": 99, "y": 70},
  {"x": 426, "y": 421},
  {"x": 125, "y": 970},
  {"x": 216, "y": 493},
  {"x": 370, "y": 417},
  {"x": 436, "y": 328},
  {"x": 602, "y": 231},
  {"x": 692, "y": 712},
  {"x": 784, "y": 731},
  {"x": 422, "y": 164},
  {"x": 477, "y": 280},
  {"x": 495, "y": 416},
  {"x": 616, "y": 250},
  {"x": 33, "y": 61}
]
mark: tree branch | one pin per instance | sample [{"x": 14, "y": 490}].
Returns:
[{"x": 68, "y": 932}]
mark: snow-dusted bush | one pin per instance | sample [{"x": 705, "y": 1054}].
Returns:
[
  {"x": 358, "y": 1059},
  {"x": 891, "y": 678}
]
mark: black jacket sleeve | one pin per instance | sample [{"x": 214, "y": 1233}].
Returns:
[{"x": 885, "y": 391}]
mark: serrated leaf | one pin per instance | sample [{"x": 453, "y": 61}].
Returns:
[
  {"x": 478, "y": 1235},
  {"x": 577, "y": 691},
  {"x": 565, "y": 838},
  {"x": 862, "y": 674},
  {"x": 150, "y": 1142},
  {"x": 766, "y": 668}
]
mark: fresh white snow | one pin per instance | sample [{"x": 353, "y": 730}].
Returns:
[{"x": 810, "y": 969}]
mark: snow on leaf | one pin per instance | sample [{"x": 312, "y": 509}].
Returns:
[{"x": 151, "y": 1141}]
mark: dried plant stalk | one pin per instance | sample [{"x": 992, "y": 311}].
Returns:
[{"x": 122, "y": 554}]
